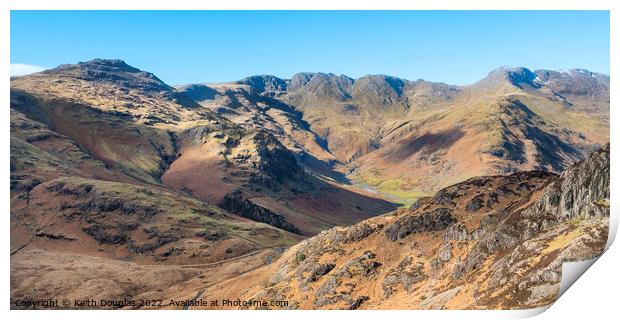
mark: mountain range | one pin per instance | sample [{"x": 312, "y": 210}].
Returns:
[{"x": 116, "y": 171}]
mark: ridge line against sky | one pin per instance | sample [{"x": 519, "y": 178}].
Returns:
[{"x": 455, "y": 47}]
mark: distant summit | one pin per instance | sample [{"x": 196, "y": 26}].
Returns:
[{"x": 111, "y": 70}]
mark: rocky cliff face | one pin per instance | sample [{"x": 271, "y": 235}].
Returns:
[
  {"x": 489, "y": 242},
  {"x": 580, "y": 192},
  {"x": 265, "y": 84},
  {"x": 275, "y": 163},
  {"x": 237, "y": 203}
]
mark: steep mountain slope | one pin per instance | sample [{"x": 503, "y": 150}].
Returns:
[
  {"x": 140, "y": 130},
  {"x": 505, "y": 123},
  {"x": 251, "y": 103},
  {"x": 589, "y": 90},
  {"x": 86, "y": 197},
  {"x": 486, "y": 243},
  {"x": 404, "y": 139},
  {"x": 255, "y": 176},
  {"x": 116, "y": 112}
]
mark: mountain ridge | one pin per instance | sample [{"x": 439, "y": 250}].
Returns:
[
  {"x": 361, "y": 126},
  {"x": 284, "y": 81}
]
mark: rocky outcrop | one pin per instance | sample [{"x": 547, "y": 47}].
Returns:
[
  {"x": 157, "y": 238},
  {"x": 265, "y": 84},
  {"x": 475, "y": 204},
  {"x": 318, "y": 271},
  {"x": 106, "y": 234},
  {"x": 274, "y": 160},
  {"x": 265, "y": 162},
  {"x": 23, "y": 182},
  {"x": 405, "y": 274},
  {"x": 582, "y": 191},
  {"x": 237, "y": 204},
  {"x": 360, "y": 267},
  {"x": 378, "y": 90},
  {"x": 436, "y": 220},
  {"x": 93, "y": 200}
]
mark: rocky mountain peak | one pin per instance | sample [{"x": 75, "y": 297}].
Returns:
[
  {"x": 378, "y": 89},
  {"x": 265, "y": 84},
  {"x": 322, "y": 85},
  {"x": 579, "y": 82},
  {"x": 114, "y": 71},
  {"x": 574, "y": 82},
  {"x": 109, "y": 63},
  {"x": 517, "y": 76}
]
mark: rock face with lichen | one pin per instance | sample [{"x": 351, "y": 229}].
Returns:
[
  {"x": 504, "y": 252},
  {"x": 582, "y": 191}
]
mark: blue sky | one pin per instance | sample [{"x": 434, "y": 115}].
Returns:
[{"x": 456, "y": 47}]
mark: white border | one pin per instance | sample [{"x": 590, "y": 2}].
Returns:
[
  {"x": 594, "y": 295},
  {"x": 312, "y": 5}
]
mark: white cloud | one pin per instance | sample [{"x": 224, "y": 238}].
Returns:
[{"x": 20, "y": 69}]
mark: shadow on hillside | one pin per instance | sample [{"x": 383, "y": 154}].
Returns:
[{"x": 428, "y": 143}]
